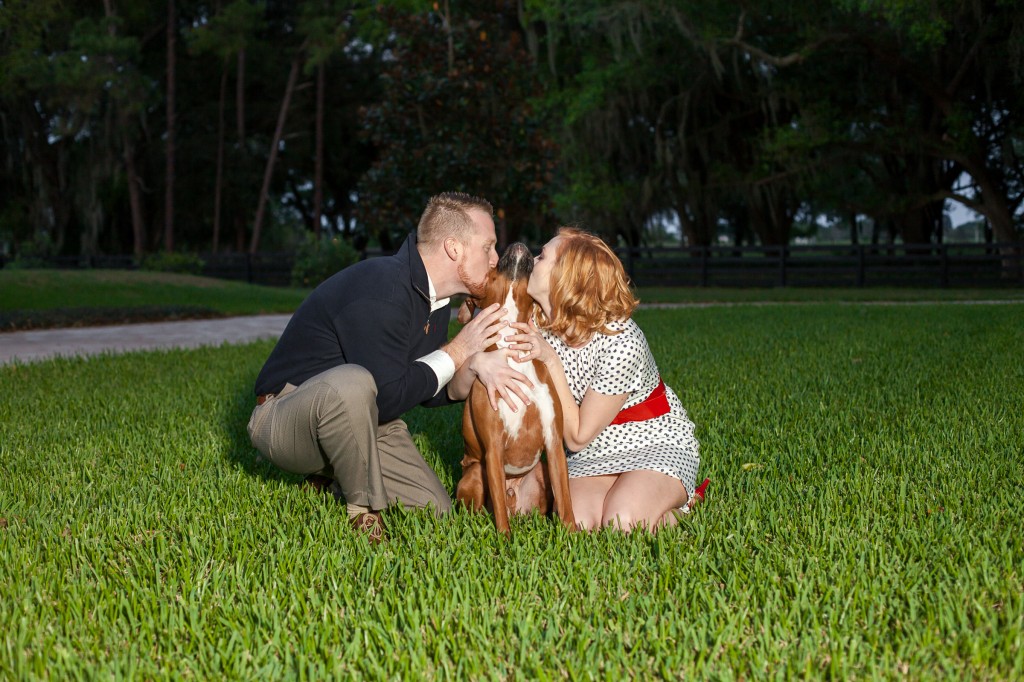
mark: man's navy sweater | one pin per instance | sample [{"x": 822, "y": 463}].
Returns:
[{"x": 376, "y": 314}]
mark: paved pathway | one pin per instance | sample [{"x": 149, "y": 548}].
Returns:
[
  {"x": 81, "y": 341},
  {"x": 47, "y": 343}
]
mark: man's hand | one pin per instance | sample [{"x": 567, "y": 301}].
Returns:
[
  {"x": 479, "y": 333},
  {"x": 500, "y": 380}
]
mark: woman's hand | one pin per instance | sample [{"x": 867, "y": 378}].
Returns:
[
  {"x": 580, "y": 422},
  {"x": 530, "y": 344}
]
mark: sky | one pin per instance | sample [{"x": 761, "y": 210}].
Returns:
[{"x": 959, "y": 214}]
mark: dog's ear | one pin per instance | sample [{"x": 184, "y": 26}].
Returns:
[{"x": 466, "y": 310}]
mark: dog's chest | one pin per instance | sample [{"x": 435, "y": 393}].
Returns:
[{"x": 540, "y": 395}]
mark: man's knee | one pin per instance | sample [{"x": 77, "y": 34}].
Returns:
[
  {"x": 441, "y": 506},
  {"x": 349, "y": 380}
]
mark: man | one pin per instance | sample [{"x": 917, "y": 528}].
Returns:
[{"x": 368, "y": 345}]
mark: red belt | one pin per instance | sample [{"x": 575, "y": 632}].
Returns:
[
  {"x": 260, "y": 399},
  {"x": 654, "y": 405}
]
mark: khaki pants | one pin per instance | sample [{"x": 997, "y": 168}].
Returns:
[{"x": 328, "y": 426}]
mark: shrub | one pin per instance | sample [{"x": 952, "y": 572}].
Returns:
[
  {"x": 174, "y": 261},
  {"x": 35, "y": 252},
  {"x": 316, "y": 260}
]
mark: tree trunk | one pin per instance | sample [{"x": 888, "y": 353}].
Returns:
[
  {"x": 993, "y": 204},
  {"x": 171, "y": 128},
  {"x": 134, "y": 198},
  {"x": 130, "y": 170},
  {"x": 49, "y": 168},
  {"x": 318, "y": 180},
  {"x": 451, "y": 38},
  {"x": 240, "y": 218},
  {"x": 771, "y": 216},
  {"x": 218, "y": 184},
  {"x": 268, "y": 173},
  {"x": 999, "y": 223}
]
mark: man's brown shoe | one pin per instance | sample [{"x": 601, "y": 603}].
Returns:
[
  {"x": 318, "y": 483},
  {"x": 323, "y": 485},
  {"x": 370, "y": 524}
]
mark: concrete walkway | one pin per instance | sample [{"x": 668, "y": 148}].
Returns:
[{"x": 82, "y": 341}]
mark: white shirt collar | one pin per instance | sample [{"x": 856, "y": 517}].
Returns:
[{"x": 434, "y": 303}]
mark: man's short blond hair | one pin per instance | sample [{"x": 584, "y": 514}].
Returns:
[{"x": 447, "y": 215}]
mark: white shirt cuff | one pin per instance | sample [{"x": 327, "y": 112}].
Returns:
[{"x": 442, "y": 365}]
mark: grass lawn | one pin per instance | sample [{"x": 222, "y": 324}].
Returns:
[
  {"x": 42, "y": 290},
  {"x": 864, "y": 520}
]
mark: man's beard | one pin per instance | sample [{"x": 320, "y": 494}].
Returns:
[{"x": 476, "y": 289}]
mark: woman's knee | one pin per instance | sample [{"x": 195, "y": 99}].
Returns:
[
  {"x": 587, "y": 514},
  {"x": 624, "y": 518}
]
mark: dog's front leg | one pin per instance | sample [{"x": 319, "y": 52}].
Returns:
[
  {"x": 495, "y": 471},
  {"x": 558, "y": 472}
]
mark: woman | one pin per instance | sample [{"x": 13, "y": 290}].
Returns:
[{"x": 632, "y": 455}]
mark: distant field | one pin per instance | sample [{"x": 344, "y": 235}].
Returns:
[
  {"x": 36, "y": 299},
  {"x": 863, "y": 521},
  {"x": 38, "y": 290},
  {"x": 49, "y": 289},
  {"x": 804, "y": 294}
]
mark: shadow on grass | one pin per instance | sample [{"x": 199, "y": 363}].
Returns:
[
  {"x": 437, "y": 433},
  {"x": 238, "y": 407}
]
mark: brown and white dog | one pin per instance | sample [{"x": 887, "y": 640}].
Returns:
[{"x": 502, "y": 468}]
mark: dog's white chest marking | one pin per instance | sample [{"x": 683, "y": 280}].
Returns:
[{"x": 539, "y": 395}]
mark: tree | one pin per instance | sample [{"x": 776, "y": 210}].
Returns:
[
  {"x": 172, "y": 131},
  {"x": 752, "y": 111},
  {"x": 225, "y": 37},
  {"x": 275, "y": 146},
  {"x": 457, "y": 113},
  {"x": 662, "y": 116}
]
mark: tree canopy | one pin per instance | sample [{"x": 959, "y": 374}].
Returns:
[{"x": 242, "y": 125}]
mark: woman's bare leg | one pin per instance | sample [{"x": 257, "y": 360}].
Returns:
[
  {"x": 588, "y": 494},
  {"x": 642, "y": 498}
]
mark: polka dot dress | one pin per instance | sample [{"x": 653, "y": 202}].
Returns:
[{"x": 623, "y": 363}]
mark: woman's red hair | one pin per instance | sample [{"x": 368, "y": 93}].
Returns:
[{"x": 589, "y": 288}]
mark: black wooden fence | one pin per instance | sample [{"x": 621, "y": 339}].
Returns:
[{"x": 896, "y": 265}]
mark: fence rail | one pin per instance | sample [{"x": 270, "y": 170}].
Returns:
[
  {"x": 898, "y": 265},
  {"x": 907, "y": 265}
]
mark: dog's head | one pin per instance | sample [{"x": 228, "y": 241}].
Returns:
[{"x": 513, "y": 272}]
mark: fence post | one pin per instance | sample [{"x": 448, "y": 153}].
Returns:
[
  {"x": 704, "y": 252},
  {"x": 248, "y": 267},
  {"x": 860, "y": 265},
  {"x": 782, "y": 266}
]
